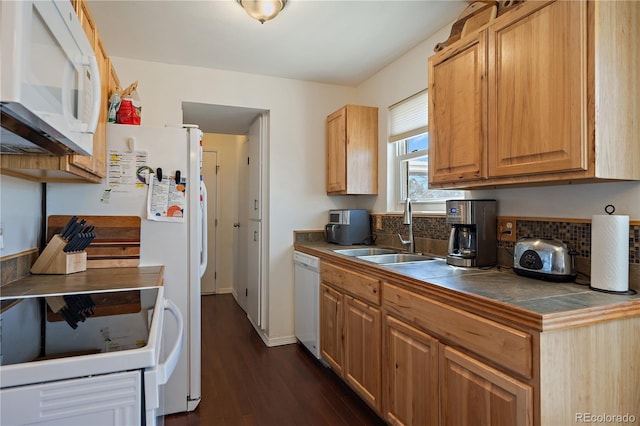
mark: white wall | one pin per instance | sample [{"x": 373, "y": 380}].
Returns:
[
  {"x": 19, "y": 214},
  {"x": 297, "y": 198},
  {"x": 408, "y": 75},
  {"x": 397, "y": 81}
]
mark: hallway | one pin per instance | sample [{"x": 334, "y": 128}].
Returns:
[{"x": 246, "y": 383}]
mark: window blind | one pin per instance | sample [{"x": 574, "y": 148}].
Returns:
[{"x": 408, "y": 117}]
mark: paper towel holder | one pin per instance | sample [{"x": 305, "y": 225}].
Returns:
[{"x": 610, "y": 209}]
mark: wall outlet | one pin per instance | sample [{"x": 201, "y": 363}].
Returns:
[{"x": 507, "y": 229}]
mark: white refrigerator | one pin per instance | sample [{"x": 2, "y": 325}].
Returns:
[{"x": 177, "y": 243}]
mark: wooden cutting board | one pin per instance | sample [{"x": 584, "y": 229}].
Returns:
[
  {"x": 480, "y": 18},
  {"x": 478, "y": 13},
  {"x": 117, "y": 242}
]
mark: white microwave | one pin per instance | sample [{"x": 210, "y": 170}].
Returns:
[{"x": 50, "y": 86}]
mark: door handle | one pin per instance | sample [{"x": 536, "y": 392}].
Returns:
[
  {"x": 255, "y": 235},
  {"x": 236, "y": 225}
]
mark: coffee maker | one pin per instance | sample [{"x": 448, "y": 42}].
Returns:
[{"x": 472, "y": 240}]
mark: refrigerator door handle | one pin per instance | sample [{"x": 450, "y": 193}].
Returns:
[{"x": 205, "y": 243}]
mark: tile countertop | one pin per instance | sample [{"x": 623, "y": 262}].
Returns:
[{"x": 494, "y": 293}]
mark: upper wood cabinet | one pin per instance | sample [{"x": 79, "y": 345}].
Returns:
[
  {"x": 74, "y": 168},
  {"x": 352, "y": 150},
  {"x": 457, "y": 113},
  {"x": 552, "y": 98}
]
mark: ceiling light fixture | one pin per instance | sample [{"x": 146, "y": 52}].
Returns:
[{"x": 262, "y": 10}]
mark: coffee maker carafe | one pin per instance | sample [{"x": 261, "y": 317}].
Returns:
[{"x": 472, "y": 238}]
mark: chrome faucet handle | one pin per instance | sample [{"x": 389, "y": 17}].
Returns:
[{"x": 403, "y": 241}]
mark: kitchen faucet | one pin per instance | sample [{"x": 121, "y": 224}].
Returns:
[{"x": 408, "y": 220}]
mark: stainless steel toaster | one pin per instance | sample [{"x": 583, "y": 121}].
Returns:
[{"x": 546, "y": 259}]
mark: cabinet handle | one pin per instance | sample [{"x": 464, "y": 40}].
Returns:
[
  {"x": 255, "y": 235},
  {"x": 255, "y": 204}
]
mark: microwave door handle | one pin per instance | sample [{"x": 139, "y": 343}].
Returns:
[{"x": 97, "y": 95}]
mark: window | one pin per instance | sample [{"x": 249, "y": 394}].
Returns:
[{"x": 409, "y": 158}]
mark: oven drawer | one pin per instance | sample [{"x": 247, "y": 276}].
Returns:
[{"x": 111, "y": 399}]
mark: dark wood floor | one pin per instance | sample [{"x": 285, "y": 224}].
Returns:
[{"x": 246, "y": 383}]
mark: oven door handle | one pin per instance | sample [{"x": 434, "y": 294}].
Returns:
[
  {"x": 165, "y": 369},
  {"x": 160, "y": 373}
]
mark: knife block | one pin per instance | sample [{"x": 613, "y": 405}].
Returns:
[{"x": 54, "y": 260}]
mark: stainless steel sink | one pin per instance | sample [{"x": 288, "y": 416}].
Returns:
[
  {"x": 369, "y": 251},
  {"x": 386, "y": 259}
]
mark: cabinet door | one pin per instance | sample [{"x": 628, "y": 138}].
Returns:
[
  {"x": 538, "y": 91},
  {"x": 457, "y": 113},
  {"x": 411, "y": 375},
  {"x": 474, "y": 393},
  {"x": 254, "y": 161},
  {"x": 254, "y": 262},
  {"x": 331, "y": 327},
  {"x": 336, "y": 151},
  {"x": 362, "y": 347}
]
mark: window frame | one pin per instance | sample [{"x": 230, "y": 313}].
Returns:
[{"x": 397, "y": 159}]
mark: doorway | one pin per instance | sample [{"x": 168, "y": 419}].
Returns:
[
  {"x": 231, "y": 122},
  {"x": 210, "y": 178}
]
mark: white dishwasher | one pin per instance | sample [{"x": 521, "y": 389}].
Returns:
[{"x": 307, "y": 301}]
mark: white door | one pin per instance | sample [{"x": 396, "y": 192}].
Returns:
[
  {"x": 240, "y": 285},
  {"x": 210, "y": 177}
]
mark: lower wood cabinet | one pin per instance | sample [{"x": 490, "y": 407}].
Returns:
[
  {"x": 410, "y": 375},
  {"x": 420, "y": 360},
  {"x": 350, "y": 334},
  {"x": 331, "y": 347},
  {"x": 362, "y": 350},
  {"x": 472, "y": 393}
]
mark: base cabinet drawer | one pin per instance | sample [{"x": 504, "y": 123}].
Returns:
[{"x": 362, "y": 286}]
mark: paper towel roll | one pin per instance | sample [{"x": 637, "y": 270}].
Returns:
[{"x": 610, "y": 252}]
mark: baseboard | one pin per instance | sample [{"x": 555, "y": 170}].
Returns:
[
  {"x": 278, "y": 341},
  {"x": 226, "y": 291}
]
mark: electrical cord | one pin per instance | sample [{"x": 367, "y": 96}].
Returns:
[
  {"x": 502, "y": 245},
  {"x": 501, "y": 242}
]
